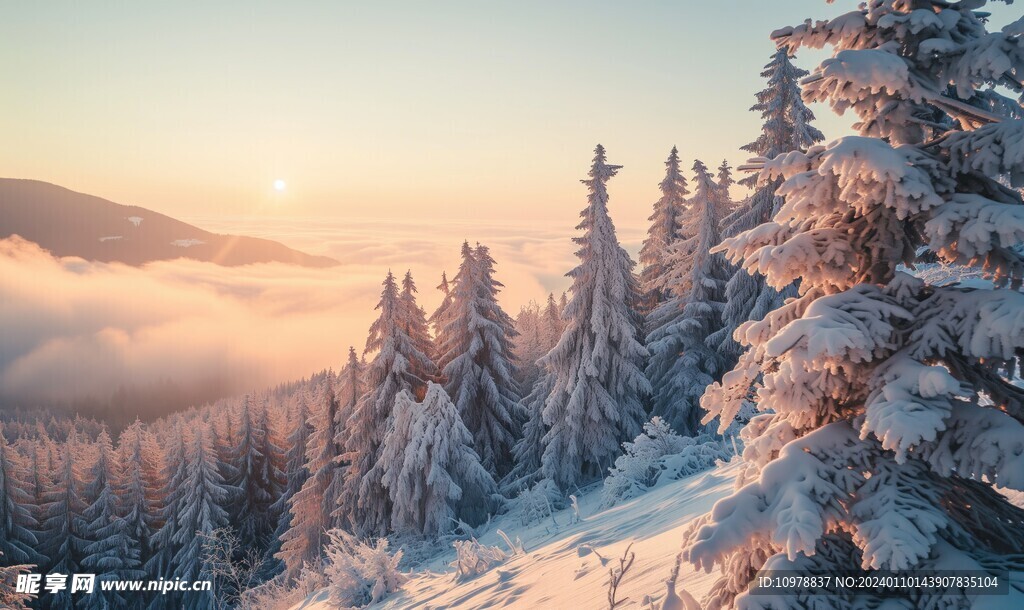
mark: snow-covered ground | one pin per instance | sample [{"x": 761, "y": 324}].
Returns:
[
  {"x": 566, "y": 566},
  {"x": 187, "y": 243}
]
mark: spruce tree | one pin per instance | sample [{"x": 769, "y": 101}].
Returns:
[
  {"x": 528, "y": 344},
  {"x": 310, "y": 508},
  {"x": 787, "y": 127},
  {"x": 477, "y": 360},
  {"x": 165, "y": 545},
  {"x": 551, "y": 323},
  {"x": 528, "y": 452},
  {"x": 397, "y": 365},
  {"x": 64, "y": 525},
  {"x": 39, "y": 481},
  {"x": 665, "y": 230},
  {"x": 887, "y": 417},
  {"x": 597, "y": 384},
  {"x": 269, "y": 444},
  {"x": 682, "y": 364},
  {"x": 295, "y": 472},
  {"x": 351, "y": 388},
  {"x": 112, "y": 553},
  {"x": 202, "y": 511},
  {"x": 725, "y": 181},
  {"x": 256, "y": 483},
  {"x": 416, "y": 326},
  {"x": 433, "y": 476},
  {"x": 18, "y": 543},
  {"x": 436, "y": 317},
  {"x": 138, "y": 487}
]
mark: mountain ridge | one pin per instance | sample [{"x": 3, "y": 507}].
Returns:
[{"x": 69, "y": 223}]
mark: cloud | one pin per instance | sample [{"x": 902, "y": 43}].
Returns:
[{"x": 76, "y": 331}]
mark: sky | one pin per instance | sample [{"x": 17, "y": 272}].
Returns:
[
  {"x": 440, "y": 110},
  {"x": 399, "y": 129}
]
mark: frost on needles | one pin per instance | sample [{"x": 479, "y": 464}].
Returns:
[{"x": 886, "y": 415}]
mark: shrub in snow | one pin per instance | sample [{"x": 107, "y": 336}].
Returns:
[
  {"x": 473, "y": 558},
  {"x": 359, "y": 574},
  {"x": 615, "y": 577},
  {"x": 874, "y": 449},
  {"x": 279, "y": 593},
  {"x": 658, "y": 454},
  {"x": 539, "y": 502}
]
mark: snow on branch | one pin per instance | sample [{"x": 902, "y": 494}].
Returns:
[
  {"x": 910, "y": 404},
  {"x": 993, "y": 149}
]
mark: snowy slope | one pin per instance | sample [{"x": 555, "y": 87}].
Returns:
[{"x": 559, "y": 570}]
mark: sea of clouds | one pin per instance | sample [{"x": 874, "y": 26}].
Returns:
[{"x": 75, "y": 331}]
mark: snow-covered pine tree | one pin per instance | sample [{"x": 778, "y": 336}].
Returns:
[
  {"x": 161, "y": 565},
  {"x": 477, "y": 360},
  {"x": 310, "y": 508},
  {"x": 416, "y": 326},
  {"x": 446, "y": 334},
  {"x": 296, "y": 472},
  {"x": 394, "y": 368},
  {"x": 427, "y": 463},
  {"x": 787, "y": 126},
  {"x": 138, "y": 487},
  {"x": 202, "y": 511},
  {"x": 224, "y": 436},
  {"x": 597, "y": 385},
  {"x": 664, "y": 231},
  {"x": 112, "y": 553},
  {"x": 682, "y": 363},
  {"x": 886, "y": 417},
  {"x": 64, "y": 526},
  {"x": 725, "y": 181},
  {"x": 256, "y": 484},
  {"x": 435, "y": 318},
  {"x": 172, "y": 496},
  {"x": 528, "y": 452},
  {"x": 351, "y": 387},
  {"x": 551, "y": 322},
  {"x": 528, "y": 343},
  {"x": 39, "y": 481},
  {"x": 539, "y": 329},
  {"x": 18, "y": 543},
  {"x": 272, "y": 468}
]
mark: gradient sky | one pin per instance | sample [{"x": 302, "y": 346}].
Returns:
[{"x": 455, "y": 110}]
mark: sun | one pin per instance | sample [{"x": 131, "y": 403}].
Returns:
[{"x": 280, "y": 185}]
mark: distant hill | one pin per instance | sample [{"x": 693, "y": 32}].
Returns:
[{"x": 74, "y": 224}]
